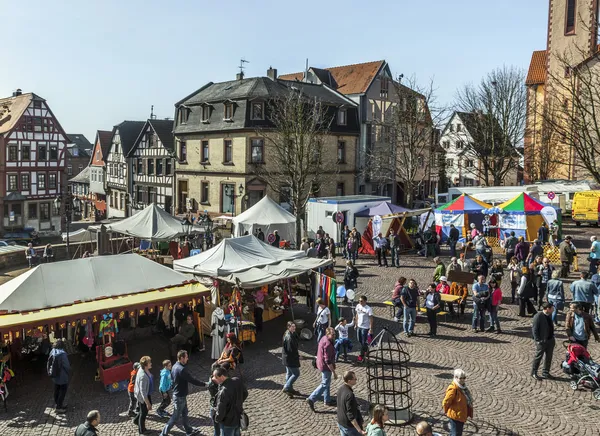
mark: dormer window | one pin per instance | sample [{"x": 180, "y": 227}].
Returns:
[
  {"x": 342, "y": 117},
  {"x": 258, "y": 110},
  {"x": 183, "y": 115},
  {"x": 228, "y": 116},
  {"x": 205, "y": 113}
]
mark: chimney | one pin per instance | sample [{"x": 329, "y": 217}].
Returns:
[
  {"x": 239, "y": 76},
  {"x": 17, "y": 92},
  {"x": 272, "y": 73}
]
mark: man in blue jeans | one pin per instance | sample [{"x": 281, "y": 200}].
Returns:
[
  {"x": 230, "y": 402},
  {"x": 410, "y": 300},
  {"x": 181, "y": 377},
  {"x": 325, "y": 364}
]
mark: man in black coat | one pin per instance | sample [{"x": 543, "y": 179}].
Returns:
[
  {"x": 89, "y": 427},
  {"x": 290, "y": 358},
  {"x": 230, "y": 401},
  {"x": 349, "y": 419},
  {"x": 453, "y": 236},
  {"x": 543, "y": 335}
]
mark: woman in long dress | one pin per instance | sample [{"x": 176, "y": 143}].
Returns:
[{"x": 217, "y": 323}]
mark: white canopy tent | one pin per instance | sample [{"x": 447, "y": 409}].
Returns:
[
  {"x": 61, "y": 283},
  {"x": 151, "y": 224},
  {"x": 248, "y": 261},
  {"x": 269, "y": 216}
]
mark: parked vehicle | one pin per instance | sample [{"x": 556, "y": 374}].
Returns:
[
  {"x": 22, "y": 237},
  {"x": 586, "y": 207}
]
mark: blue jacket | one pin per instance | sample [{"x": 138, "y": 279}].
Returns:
[
  {"x": 62, "y": 359},
  {"x": 555, "y": 290},
  {"x": 583, "y": 291},
  {"x": 165, "y": 380}
]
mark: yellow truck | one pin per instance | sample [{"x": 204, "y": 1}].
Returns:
[{"x": 586, "y": 207}]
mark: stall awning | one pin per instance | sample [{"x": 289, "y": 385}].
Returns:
[
  {"x": 260, "y": 276},
  {"x": 106, "y": 305}
]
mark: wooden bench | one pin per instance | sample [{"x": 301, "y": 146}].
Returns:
[{"x": 440, "y": 313}]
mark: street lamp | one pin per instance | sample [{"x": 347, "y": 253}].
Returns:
[
  {"x": 207, "y": 223},
  {"x": 71, "y": 203},
  {"x": 230, "y": 192}
]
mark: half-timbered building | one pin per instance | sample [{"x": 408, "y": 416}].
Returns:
[
  {"x": 32, "y": 163},
  {"x": 101, "y": 148},
  {"x": 118, "y": 178},
  {"x": 152, "y": 160}
]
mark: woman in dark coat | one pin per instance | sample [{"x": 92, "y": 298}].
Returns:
[{"x": 290, "y": 358}]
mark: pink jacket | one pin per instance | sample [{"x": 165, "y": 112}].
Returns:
[
  {"x": 496, "y": 297},
  {"x": 443, "y": 289}
]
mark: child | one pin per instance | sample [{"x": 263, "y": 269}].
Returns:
[
  {"x": 133, "y": 403},
  {"x": 497, "y": 271},
  {"x": 164, "y": 388},
  {"x": 343, "y": 340}
]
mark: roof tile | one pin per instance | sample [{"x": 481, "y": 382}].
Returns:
[{"x": 537, "y": 68}]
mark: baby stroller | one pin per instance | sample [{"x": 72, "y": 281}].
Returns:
[{"x": 582, "y": 369}]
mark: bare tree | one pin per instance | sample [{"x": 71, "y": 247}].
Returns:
[
  {"x": 494, "y": 113},
  {"x": 403, "y": 139},
  {"x": 294, "y": 148},
  {"x": 546, "y": 153},
  {"x": 576, "y": 119}
]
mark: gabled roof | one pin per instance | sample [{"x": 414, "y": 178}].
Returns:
[
  {"x": 105, "y": 139},
  {"x": 82, "y": 177},
  {"x": 347, "y": 79},
  {"x": 537, "y": 68},
  {"x": 164, "y": 131},
  {"x": 128, "y": 133},
  {"x": 79, "y": 140},
  {"x": 12, "y": 108}
]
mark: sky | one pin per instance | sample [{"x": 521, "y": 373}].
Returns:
[{"x": 98, "y": 63}]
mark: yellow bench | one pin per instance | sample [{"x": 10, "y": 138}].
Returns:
[
  {"x": 440, "y": 313},
  {"x": 390, "y": 304}
]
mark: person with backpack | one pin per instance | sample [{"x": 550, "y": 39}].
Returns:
[
  {"x": 58, "y": 368},
  {"x": 526, "y": 291}
]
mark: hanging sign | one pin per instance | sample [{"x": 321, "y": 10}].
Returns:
[
  {"x": 377, "y": 225},
  {"x": 551, "y": 195},
  {"x": 338, "y": 217}
]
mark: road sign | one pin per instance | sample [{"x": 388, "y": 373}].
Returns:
[
  {"x": 271, "y": 238},
  {"x": 339, "y": 217},
  {"x": 551, "y": 195}
]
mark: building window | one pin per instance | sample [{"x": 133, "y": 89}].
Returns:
[
  {"x": 257, "y": 150},
  {"x": 204, "y": 157},
  {"x": 342, "y": 117},
  {"x": 69, "y": 170},
  {"x": 339, "y": 190},
  {"x": 204, "y": 192},
  {"x": 451, "y": 127},
  {"x": 151, "y": 195},
  {"x": 421, "y": 161},
  {"x": 12, "y": 153},
  {"x": 41, "y": 180},
  {"x": 139, "y": 194},
  {"x": 151, "y": 140},
  {"x": 25, "y": 152},
  {"x": 37, "y": 104},
  {"x": 469, "y": 163},
  {"x": 341, "y": 152},
  {"x": 32, "y": 210},
  {"x": 159, "y": 167},
  {"x": 383, "y": 91},
  {"x": 122, "y": 201},
  {"x": 24, "y": 181},
  {"x": 47, "y": 125},
  {"x": 183, "y": 114},
  {"x": 205, "y": 113},
  {"x": 54, "y": 153},
  {"x": 150, "y": 163},
  {"x": 228, "y": 111},
  {"x": 182, "y": 151},
  {"x": 168, "y": 167},
  {"x": 42, "y": 152},
  {"x": 227, "y": 151},
  {"x": 37, "y": 124},
  {"x": 446, "y": 144},
  {"x": 449, "y": 162},
  {"x": 570, "y": 17},
  {"x": 12, "y": 182},
  {"x": 258, "y": 110},
  {"x": 140, "y": 166},
  {"x": 459, "y": 145},
  {"x": 80, "y": 168},
  {"x": 227, "y": 199},
  {"x": 52, "y": 180},
  {"x": 45, "y": 211},
  {"x": 458, "y": 128}
]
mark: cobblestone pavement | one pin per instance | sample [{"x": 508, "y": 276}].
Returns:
[{"x": 507, "y": 400}]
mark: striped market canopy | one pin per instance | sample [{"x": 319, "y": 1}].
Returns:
[
  {"x": 464, "y": 204},
  {"x": 522, "y": 203}
]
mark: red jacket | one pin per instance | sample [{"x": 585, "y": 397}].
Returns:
[
  {"x": 325, "y": 354},
  {"x": 131, "y": 385}
]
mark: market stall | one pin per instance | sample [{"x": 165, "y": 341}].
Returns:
[
  {"x": 87, "y": 301},
  {"x": 462, "y": 212},
  {"x": 245, "y": 271},
  {"x": 268, "y": 216},
  {"x": 525, "y": 215}
]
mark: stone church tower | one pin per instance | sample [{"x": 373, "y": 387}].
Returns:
[{"x": 572, "y": 36}]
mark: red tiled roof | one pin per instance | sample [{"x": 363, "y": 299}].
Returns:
[
  {"x": 537, "y": 68},
  {"x": 349, "y": 79}
]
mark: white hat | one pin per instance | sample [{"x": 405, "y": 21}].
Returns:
[
  {"x": 472, "y": 225},
  {"x": 443, "y": 279}
]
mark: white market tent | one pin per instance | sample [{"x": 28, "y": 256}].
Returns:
[
  {"x": 61, "y": 283},
  {"x": 151, "y": 224},
  {"x": 269, "y": 216},
  {"x": 248, "y": 261}
]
